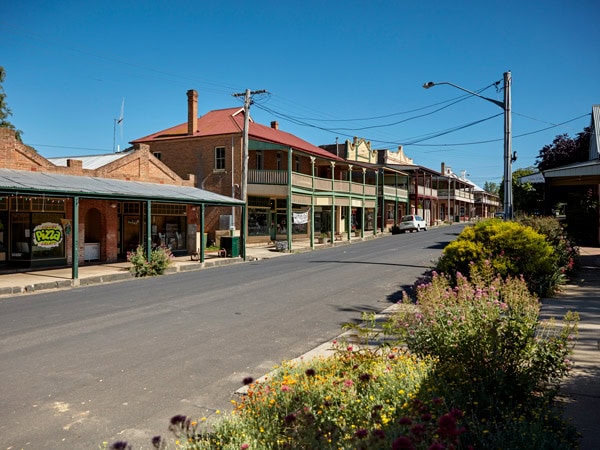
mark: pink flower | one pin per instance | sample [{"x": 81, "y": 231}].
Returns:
[{"x": 348, "y": 383}]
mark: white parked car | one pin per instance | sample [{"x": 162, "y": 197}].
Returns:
[{"x": 412, "y": 223}]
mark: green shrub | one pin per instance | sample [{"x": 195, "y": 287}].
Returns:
[
  {"x": 160, "y": 258},
  {"x": 496, "y": 362},
  {"x": 351, "y": 400},
  {"x": 556, "y": 234},
  {"x": 512, "y": 249}
]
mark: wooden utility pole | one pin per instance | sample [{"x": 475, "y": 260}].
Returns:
[{"x": 247, "y": 102}]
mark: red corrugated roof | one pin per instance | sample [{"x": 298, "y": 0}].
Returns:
[{"x": 231, "y": 121}]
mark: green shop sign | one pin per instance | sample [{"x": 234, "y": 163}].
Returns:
[{"x": 47, "y": 235}]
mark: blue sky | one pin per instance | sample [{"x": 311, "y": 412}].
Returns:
[{"x": 339, "y": 69}]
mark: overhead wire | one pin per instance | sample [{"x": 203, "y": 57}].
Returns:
[{"x": 306, "y": 121}]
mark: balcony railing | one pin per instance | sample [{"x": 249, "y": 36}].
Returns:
[
  {"x": 392, "y": 191},
  {"x": 280, "y": 177},
  {"x": 430, "y": 192},
  {"x": 456, "y": 194},
  {"x": 487, "y": 201}
]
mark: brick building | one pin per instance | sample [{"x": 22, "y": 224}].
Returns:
[
  {"x": 295, "y": 190},
  {"x": 100, "y": 203}
]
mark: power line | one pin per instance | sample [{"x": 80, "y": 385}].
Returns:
[
  {"x": 71, "y": 148},
  {"x": 498, "y": 140},
  {"x": 452, "y": 101}
]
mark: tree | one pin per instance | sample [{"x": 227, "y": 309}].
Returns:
[
  {"x": 564, "y": 150},
  {"x": 492, "y": 188},
  {"x": 5, "y": 111},
  {"x": 528, "y": 198}
]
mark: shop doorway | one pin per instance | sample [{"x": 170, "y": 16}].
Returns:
[
  {"x": 131, "y": 233},
  {"x": 93, "y": 235}
]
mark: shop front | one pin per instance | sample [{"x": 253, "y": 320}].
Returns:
[
  {"x": 168, "y": 228},
  {"x": 32, "y": 231},
  {"x": 268, "y": 220}
]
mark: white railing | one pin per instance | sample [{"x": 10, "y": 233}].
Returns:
[
  {"x": 430, "y": 192},
  {"x": 456, "y": 194},
  {"x": 392, "y": 191}
]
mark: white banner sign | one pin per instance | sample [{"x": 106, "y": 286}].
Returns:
[{"x": 300, "y": 218}]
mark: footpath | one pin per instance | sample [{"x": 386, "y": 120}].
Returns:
[
  {"x": 28, "y": 282},
  {"x": 580, "y": 392}
]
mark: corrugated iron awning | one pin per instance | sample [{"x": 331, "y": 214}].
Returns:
[{"x": 52, "y": 184}]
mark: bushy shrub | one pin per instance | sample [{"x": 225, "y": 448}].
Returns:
[
  {"x": 556, "y": 234},
  {"x": 496, "y": 362},
  {"x": 351, "y": 400},
  {"x": 160, "y": 258},
  {"x": 512, "y": 249}
]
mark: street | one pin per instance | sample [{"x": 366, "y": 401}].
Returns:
[{"x": 116, "y": 361}]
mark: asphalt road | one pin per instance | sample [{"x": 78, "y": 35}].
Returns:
[{"x": 115, "y": 362}]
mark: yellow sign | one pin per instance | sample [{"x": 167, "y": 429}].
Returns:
[{"x": 47, "y": 235}]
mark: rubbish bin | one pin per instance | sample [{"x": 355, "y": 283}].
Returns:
[{"x": 231, "y": 244}]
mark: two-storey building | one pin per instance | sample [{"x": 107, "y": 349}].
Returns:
[
  {"x": 295, "y": 190},
  {"x": 456, "y": 196},
  {"x": 392, "y": 184}
]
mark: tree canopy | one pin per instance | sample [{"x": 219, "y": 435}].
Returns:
[
  {"x": 5, "y": 111},
  {"x": 491, "y": 187},
  {"x": 564, "y": 150}
]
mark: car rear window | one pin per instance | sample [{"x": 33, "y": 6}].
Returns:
[{"x": 407, "y": 218}]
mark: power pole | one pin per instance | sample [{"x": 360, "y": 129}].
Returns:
[
  {"x": 508, "y": 155},
  {"x": 247, "y": 102}
]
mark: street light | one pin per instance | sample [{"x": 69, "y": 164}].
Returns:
[{"x": 508, "y": 156}]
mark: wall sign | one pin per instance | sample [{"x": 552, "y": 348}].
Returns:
[
  {"x": 66, "y": 223},
  {"x": 47, "y": 235}
]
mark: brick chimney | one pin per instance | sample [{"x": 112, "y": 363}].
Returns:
[
  {"x": 75, "y": 164},
  {"x": 192, "y": 111},
  {"x": 275, "y": 125}
]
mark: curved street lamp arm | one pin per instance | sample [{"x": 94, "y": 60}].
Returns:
[{"x": 430, "y": 84}]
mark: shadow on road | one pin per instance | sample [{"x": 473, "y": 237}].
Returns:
[{"x": 372, "y": 262}]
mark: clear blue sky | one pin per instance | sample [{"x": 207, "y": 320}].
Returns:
[{"x": 69, "y": 64}]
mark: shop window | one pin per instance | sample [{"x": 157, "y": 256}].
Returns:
[
  {"x": 131, "y": 208},
  {"x": 3, "y": 236},
  {"x": 20, "y": 233},
  {"x": 171, "y": 209},
  {"x": 259, "y": 202},
  {"x": 37, "y": 236},
  {"x": 48, "y": 239},
  {"x": 258, "y": 222},
  {"x": 300, "y": 228},
  {"x": 169, "y": 231}
]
